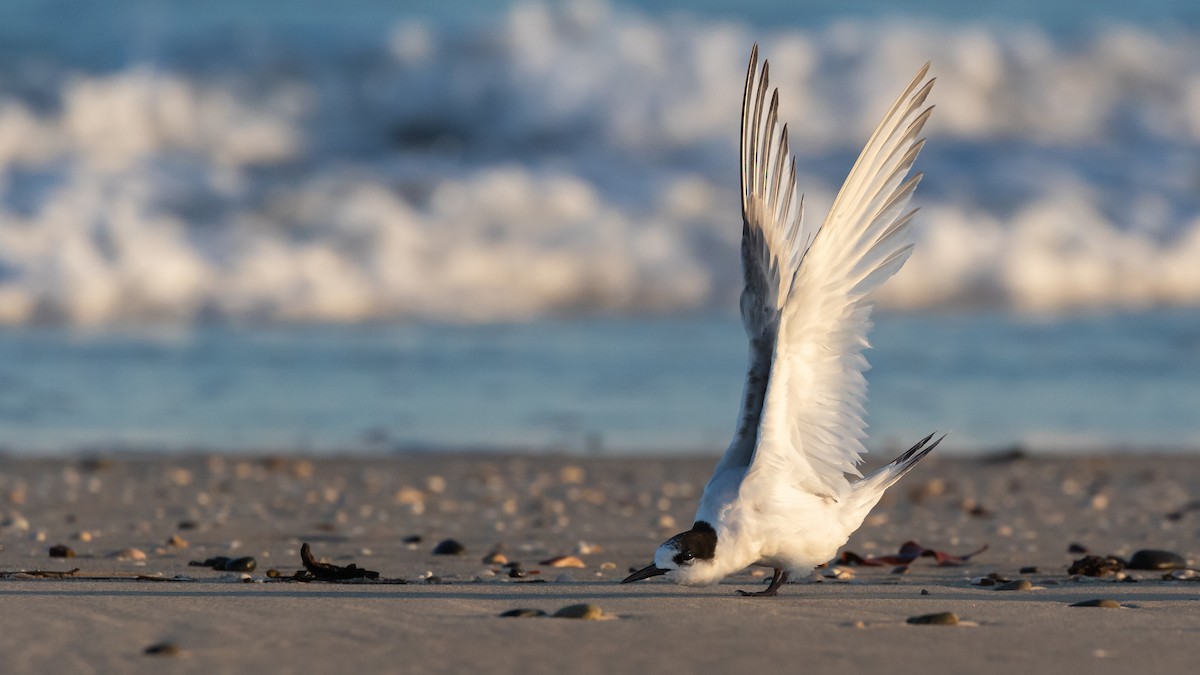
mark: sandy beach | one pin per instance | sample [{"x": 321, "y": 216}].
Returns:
[{"x": 134, "y": 524}]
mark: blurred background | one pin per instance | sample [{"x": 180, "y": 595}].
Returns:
[{"x": 318, "y": 225}]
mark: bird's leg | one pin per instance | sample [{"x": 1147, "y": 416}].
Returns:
[{"x": 778, "y": 580}]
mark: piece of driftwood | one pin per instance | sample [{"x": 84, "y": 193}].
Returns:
[
  {"x": 323, "y": 571},
  {"x": 908, "y": 553},
  {"x": 39, "y": 574},
  {"x": 74, "y": 575}
]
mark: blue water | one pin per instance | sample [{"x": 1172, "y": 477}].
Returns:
[
  {"x": 666, "y": 385},
  {"x": 378, "y": 225},
  {"x": 181, "y": 162}
]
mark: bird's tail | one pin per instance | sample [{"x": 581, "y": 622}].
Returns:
[{"x": 866, "y": 492}]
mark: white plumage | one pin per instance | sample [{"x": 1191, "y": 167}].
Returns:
[{"x": 780, "y": 495}]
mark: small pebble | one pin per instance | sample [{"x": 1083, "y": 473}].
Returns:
[
  {"x": 1099, "y": 602},
  {"x": 563, "y": 561},
  {"x": 1029, "y": 570},
  {"x": 1096, "y": 566},
  {"x": 1077, "y": 548},
  {"x": 411, "y": 539},
  {"x": 839, "y": 573},
  {"x": 303, "y": 469},
  {"x": 61, "y": 551},
  {"x": 177, "y": 541},
  {"x": 1193, "y": 505},
  {"x": 523, "y": 613},
  {"x": 496, "y": 557},
  {"x": 1181, "y": 575},
  {"x": 129, "y": 554},
  {"x": 924, "y": 591},
  {"x": 1018, "y": 585},
  {"x": 245, "y": 564},
  {"x": 410, "y": 496},
  {"x": 938, "y": 619},
  {"x": 572, "y": 475},
  {"x": 932, "y": 488},
  {"x": 976, "y": 510},
  {"x": 1150, "y": 559},
  {"x": 15, "y": 523},
  {"x": 164, "y": 649},
  {"x": 95, "y": 463},
  {"x": 587, "y": 612},
  {"x": 449, "y": 547}
]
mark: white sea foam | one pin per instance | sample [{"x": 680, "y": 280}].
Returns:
[{"x": 581, "y": 159}]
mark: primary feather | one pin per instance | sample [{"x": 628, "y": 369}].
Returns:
[
  {"x": 805, "y": 305},
  {"x": 780, "y": 496}
]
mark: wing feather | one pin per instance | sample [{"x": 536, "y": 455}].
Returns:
[
  {"x": 771, "y": 215},
  {"x": 811, "y": 421},
  {"x": 772, "y": 244}
]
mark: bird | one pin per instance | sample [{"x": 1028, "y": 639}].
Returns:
[{"x": 787, "y": 494}]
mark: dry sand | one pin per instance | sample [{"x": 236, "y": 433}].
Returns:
[{"x": 610, "y": 513}]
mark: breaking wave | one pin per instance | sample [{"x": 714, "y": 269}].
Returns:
[{"x": 580, "y": 159}]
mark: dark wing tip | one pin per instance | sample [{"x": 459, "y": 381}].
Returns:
[{"x": 917, "y": 452}]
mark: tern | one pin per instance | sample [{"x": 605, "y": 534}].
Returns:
[{"x": 780, "y": 496}]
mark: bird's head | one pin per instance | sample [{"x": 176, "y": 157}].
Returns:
[{"x": 686, "y": 559}]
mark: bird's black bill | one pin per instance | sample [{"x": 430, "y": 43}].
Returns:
[{"x": 644, "y": 573}]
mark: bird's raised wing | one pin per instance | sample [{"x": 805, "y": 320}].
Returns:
[
  {"x": 773, "y": 237},
  {"x": 772, "y": 246},
  {"x": 808, "y": 295}
]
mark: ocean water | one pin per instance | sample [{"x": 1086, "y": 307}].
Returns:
[
  {"x": 1111, "y": 383},
  {"x": 368, "y": 224}
]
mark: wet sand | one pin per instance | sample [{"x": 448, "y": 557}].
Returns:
[{"x": 609, "y": 513}]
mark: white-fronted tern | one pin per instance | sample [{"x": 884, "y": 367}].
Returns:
[{"x": 780, "y": 496}]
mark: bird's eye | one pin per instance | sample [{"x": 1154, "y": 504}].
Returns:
[{"x": 684, "y": 558}]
